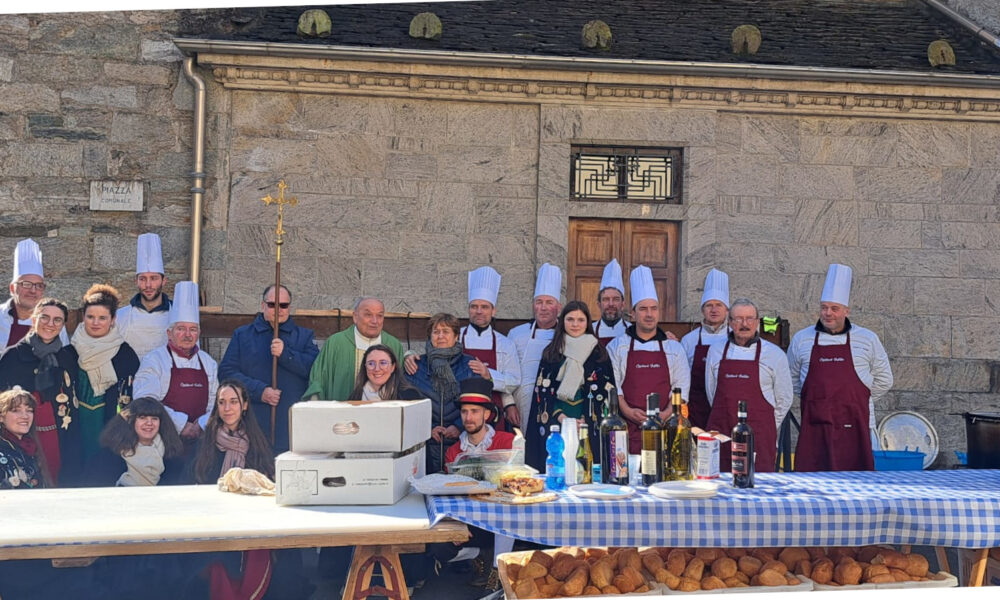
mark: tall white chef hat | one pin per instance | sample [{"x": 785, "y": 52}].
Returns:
[
  {"x": 838, "y": 285},
  {"x": 148, "y": 254},
  {"x": 641, "y": 285},
  {"x": 716, "y": 287},
  {"x": 185, "y": 306},
  {"x": 549, "y": 282},
  {"x": 612, "y": 277},
  {"x": 27, "y": 259},
  {"x": 484, "y": 284}
]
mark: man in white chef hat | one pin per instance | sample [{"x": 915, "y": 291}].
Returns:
[
  {"x": 645, "y": 360},
  {"x": 713, "y": 328},
  {"x": 838, "y": 370},
  {"x": 143, "y": 323},
  {"x": 611, "y": 299},
  {"x": 531, "y": 338},
  {"x": 178, "y": 373},
  {"x": 27, "y": 287}
]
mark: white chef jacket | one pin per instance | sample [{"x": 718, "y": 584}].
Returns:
[
  {"x": 775, "y": 379},
  {"x": 871, "y": 363},
  {"x": 153, "y": 380},
  {"x": 680, "y": 371},
  {"x": 611, "y": 332},
  {"x": 144, "y": 331},
  {"x": 506, "y": 374},
  {"x": 690, "y": 339}
]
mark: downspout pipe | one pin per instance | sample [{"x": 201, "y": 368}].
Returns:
[
  {"x": 980, "y": 31},
  {"x": 198, "y": 174}
]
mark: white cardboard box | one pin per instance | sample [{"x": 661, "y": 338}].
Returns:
[
  {"x": 330, "y": 478},
  {"x": 965, "y": 560},
  {"x": 330, "y": 426}
]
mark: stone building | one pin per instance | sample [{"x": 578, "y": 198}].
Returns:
[{"x": 414, "y": 160}]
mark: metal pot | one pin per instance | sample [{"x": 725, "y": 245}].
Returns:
[{"x": 982, "y": 434}]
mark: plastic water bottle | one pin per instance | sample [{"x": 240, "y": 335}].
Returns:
[{"x": 555, "y": 464}]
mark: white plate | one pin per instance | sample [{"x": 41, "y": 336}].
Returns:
[
  {"x": 905, "y": 430},
  {"x": 684, "y": 489},
  {"x": 602, "y": 491},
  {"x": 442, "y": 484}
]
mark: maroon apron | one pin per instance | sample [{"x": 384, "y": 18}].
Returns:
[
  {"x": 604, "y": 341},
  {"x": 740, "y": 380},
  {"x": 646, "y": 371},
  {"x": 17, "y": 331},
  {"x": 489, "y": 358},
  {"x": 46, "y": 429},
  {"x": 188, "y": 392},
  {"x": 698, "y": 406},
  {"x": 834, "y": 435}
]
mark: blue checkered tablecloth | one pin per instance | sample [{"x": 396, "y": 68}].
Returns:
[{"x": 959, "y": 508}]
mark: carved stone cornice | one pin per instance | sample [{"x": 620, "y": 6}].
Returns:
[{"x": 479, "y": 83}]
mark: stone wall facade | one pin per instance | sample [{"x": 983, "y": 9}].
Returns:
[{"x": 407, "y": 176}]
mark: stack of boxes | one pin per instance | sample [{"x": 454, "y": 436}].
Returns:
[{"x": 352, "y": 452}]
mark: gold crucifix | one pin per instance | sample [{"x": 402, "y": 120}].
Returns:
[{"x": 281, "y": 201}]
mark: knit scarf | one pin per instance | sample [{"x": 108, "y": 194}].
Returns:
[
  {"x": 235, "y": 445},
  {"x": 95, "y": 357},
  {"x": 576, "y": 350},
  {"x": 47, "y": 375},
  {"x": 442, "y": 377},
  {"x": 26, "y": 443},
  {"x": 144, "y": 465}
]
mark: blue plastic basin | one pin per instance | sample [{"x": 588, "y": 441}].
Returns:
[{"x": 898, "y": 460}]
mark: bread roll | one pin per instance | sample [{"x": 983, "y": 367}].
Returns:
[
  {"x": 762, "y": 554},
  {"x": 770, "y": 577},
  {"x": 541, "y": 558},
  {"x": 708, "y": 555},
  {"x": 595, "y": 553},
  {"x": 749, "y": 565},
  {"x": 734, "y": 582},
  {"x": 792, "y": 556},
  {"x": 694, "y": 568},
  {"x": 712, "y": 582},
  {"x": 651, "y": 560},
  {"x": 899, "y": 574},
  {"x": 891, "y": 558},
  {"x": 822, "y": 571},
  {"x": 512, "y": 570},
  {"x": 774, "y": 565},
  {"x": 635, "y": 576},
  {"x": 689, "y": 585},
  {"x": 867, "y": 553},
  {"x": 629, "y": 557},
  {"x": 847, "y": 572},
  {"x": 724, "y": 567},
  {"x": 526, "y": 588},
  {"x": 677, "y": 561},
  {"x": 872, "y": 571},
  {"x": 602, "y": 572},
  {"x": 533, "y": 570},
  {"x": 792, "y": 579},
  {"x": 743, "y": 577},
  {"x": 563, "y": 566},
  {"x": 623, "y": 583},
  {"x": 804, "y": 568},
  {"x": 916, "y": 565},
  {"x": 668, "y": 579},
  {"x": 591, "y": 591},
  {"x": 836, "y": 554},
  {"x": 610, "y": 590},
  {"x": 550, "y": 589},
  {"x": 736, "y": 553},
  {"x": 576, "y": 581}
]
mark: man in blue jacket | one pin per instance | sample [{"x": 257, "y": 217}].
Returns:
[{"x": 249, "y": 356}]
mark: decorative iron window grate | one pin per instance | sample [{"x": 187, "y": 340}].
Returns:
[{"x": 624, "y": 174}]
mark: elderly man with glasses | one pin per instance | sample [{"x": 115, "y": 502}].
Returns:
[
  {"x": 27, "y": 286},
  {"x": 250, "y": 356},
  {"x": 746, "y": 367}
]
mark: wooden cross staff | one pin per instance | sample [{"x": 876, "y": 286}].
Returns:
[{"x": 281, "y": 201}]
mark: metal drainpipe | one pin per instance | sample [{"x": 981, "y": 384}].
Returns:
[
  {"x": 980, "y": 31},
  {"x": 198, "y": 185}
]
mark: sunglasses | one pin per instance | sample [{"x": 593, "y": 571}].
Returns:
[{"x": 282, "y": 305}]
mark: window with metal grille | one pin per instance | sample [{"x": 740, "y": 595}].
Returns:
[{"x": 626, "y": 174}]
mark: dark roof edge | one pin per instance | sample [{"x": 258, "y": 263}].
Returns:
[
  {"x": 978, "y": 30},
  {"x": 190, "y": 46}
]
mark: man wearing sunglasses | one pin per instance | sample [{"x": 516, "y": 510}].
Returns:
[
  {"x": 27, "y": 286},
  {"x": 250, "y": 355}
]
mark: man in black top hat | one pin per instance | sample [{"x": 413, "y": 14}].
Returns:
[{"x": 478, "y": 411}]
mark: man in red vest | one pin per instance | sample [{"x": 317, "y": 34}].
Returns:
[{"x": 478, "y": 411}]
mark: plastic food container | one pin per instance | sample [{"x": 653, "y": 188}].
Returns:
[{"x": 898, "y": 460}]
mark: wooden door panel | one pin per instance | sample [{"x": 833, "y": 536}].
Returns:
[{"x": 594, "y": 242}]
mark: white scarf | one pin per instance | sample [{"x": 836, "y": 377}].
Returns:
[
  {"x": 576, "y": 351},
  {"x": 369, "y": 393},
  {"x": 95, "y": 357},
  {"x": 482, "y": 446},
  {"x": 145, "y": 465}
]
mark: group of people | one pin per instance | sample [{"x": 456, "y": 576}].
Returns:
[{"x": 131, "y": 398}]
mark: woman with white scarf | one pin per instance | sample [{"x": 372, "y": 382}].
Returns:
[
  {"x": 107, "y": 366},
  {"x": 574, "y": 376},
  {"x": 136, "y": 450}
]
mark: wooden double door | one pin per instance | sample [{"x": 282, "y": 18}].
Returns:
[{"x": 594, "y": 242}]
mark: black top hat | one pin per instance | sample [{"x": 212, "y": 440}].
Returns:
[{"x": 478, "y": 391}]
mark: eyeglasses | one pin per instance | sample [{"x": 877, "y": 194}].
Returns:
[
  {"x": 29, "y": 285},
  {"x": 283, "y": 305},
  {"x": 54, "y": 320},
  {"x": 744, "y": 319},
  {"x": 381, "y": 364}
]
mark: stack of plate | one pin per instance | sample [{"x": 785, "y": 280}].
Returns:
[
  {"x": 602, "y": 491},
  {"x": 678, "y": 490}
]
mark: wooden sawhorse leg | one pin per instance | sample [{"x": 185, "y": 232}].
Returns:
[
  {"x": 978, "y": 571},
  {"x": 386, "y": 558}
]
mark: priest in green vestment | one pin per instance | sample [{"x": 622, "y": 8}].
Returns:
[{"x": 336, "y": 368}]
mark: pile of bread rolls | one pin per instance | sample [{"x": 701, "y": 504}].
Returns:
[
  {"x": 854, "y": 566},
  {"x": 573, "y": 571}
]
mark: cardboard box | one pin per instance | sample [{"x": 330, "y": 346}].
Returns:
[
  {"x": 332, "y": 478},
  {"x": 965, "y": 560},
  {"x": 329, "y": 426}
]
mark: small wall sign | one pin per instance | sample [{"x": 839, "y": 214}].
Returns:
[{"x": 116, "y": 195}]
